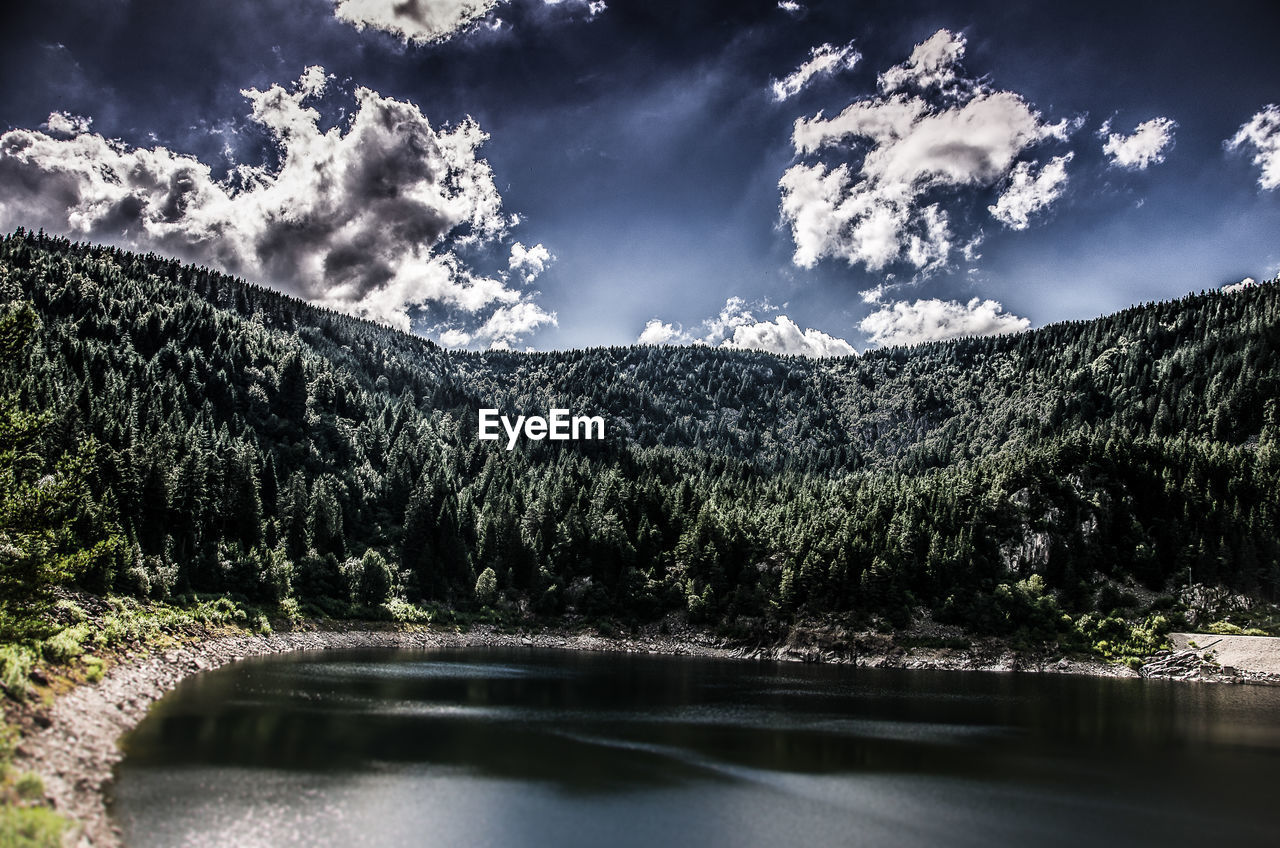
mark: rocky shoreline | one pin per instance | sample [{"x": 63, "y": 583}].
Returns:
[{"x": 73, "y": 743}]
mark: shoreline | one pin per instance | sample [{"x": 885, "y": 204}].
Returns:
[{"x": 73, "y": 744}]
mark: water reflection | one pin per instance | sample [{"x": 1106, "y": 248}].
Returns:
[{"x": 313, "y": 749}]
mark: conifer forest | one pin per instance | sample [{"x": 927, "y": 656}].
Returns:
[{"x": 167, "y": 431}]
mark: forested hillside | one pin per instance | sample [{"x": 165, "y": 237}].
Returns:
[{"x": 170, "y": 430}]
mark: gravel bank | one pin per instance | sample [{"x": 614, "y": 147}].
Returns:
[
  {"x": 73, "y": 745},
  {"x": 1258, "y": 654}
]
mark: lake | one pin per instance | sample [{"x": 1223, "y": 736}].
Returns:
[{"x": 508, "y": 747}]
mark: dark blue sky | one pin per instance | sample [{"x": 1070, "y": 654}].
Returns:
[{"x": 642, "y": 145}]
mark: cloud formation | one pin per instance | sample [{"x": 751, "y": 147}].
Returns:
[
  {"x": 658, "y": 332},
  {"x": 824, "y": 61},
  {"x": 929, "y": 135},
  {"x": 366, "y": 221},
  {"x": 430, "y": 21},
  {"x": 529, "y": 262},
  {"x": 782, "y": 335},
  {"x": 1145, "y": 147},
  {"x": 737, "y": 327},
  {"x": 1027, "y": 194},
  {"x": 64, "y": 123},
  {"x": 505, "y": 326},
  {"x": 1232, "y": 288},
  {"x": 905, "y": 323},
  {"x": 421, "y": 21},
  {"x": 1262, "y": 133}
]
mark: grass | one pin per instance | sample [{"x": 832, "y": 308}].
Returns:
[
  {"x": 72, "y": 646},
  {"x": 31, "y": 827},
  {"x": 24, "y": 821}
]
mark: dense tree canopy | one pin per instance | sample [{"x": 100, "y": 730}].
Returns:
[{"x": 221, "y": 437}]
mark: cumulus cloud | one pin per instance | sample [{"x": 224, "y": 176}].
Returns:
[
  {"x": 929, "y": 135},
  {"x": 366, "y": 220},
  {"x": 1145, "y": 147},
  {"x": 529, "y": 262},
  {"x": 1262, "y": 132},
  {"x": 932, "y": 64},
  {"x": 791, "y": 7},
  {"x": 657, "y": 332},
  {"x": 429, "y": 21},
  {"x": 736, "y": 326},
  {"x": 1247, "y": 282},
  {"x": 782, "y": 335},
  {"x": 824, "y": 60},
  {"x": 64, "y": 123},
  {"x": 421, "y": 21},
  {"x": 503, "y": 328},
  {"x": 904, "y": 323},
  {"x": 1027, "y": 194}
]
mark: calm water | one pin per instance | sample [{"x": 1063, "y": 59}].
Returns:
[{"x": 516, "y": 747}]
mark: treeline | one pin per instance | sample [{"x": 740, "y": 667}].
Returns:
[{"x": 183, "y": 431}]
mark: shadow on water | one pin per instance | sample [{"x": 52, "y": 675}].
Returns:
[{"x": 600, "y": 736}]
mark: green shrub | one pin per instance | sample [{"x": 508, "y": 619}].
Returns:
[
  {"x": 65, "y": 645},
  {"x": 93, "y": 669},
  {"x": 486, "y": 586},
  {"x": 29, "y": 787},
  {"x": 30, "y": 827},
  {"x": 406, "y": 613},
  {"x": 15, "y": 665}
]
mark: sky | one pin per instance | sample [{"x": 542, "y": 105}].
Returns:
[{"x": 802, "y": 177}]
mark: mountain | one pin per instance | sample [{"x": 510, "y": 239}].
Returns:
[{"x": 186, "y": 431}]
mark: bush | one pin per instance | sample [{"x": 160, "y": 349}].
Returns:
[
  {"x": 15, "y": 665},
  {"x": 93, "y": 669},
  {"x": 65, "y": 645},
  {"x": 30, "y": 827},
  {"x": 406, "y": 613},
  {"x": 375, "y": 579},
  {"x": 486, "y": 586},
  {"x": 29, "y": 787}
]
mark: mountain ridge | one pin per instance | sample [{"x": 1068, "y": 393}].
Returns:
[{"x": 247, "y": 443}]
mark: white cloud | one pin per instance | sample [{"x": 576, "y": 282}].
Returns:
[
  {"x": 1247, "y": 282},
  {"x": 1145, "y": 147},
  {"x": 503, "y": 328},
  {"x": 1027, "y": 194},
  {"x": 593, "y": 7},
  {"x": 784, "y": 336},
  {"x": 736, "y": 313},
  {"x": 824, "y": 60},
  {"x": 364, "y": 221},
  {"x": 529, "y": 261},
  {"x": 905, "y": 323},
  {"x": 657, "y": 332},
  {"x": 918, "y": 149},
  {"x": 791, "y": 7},
  {"x": 429, "y": 21},
  {"x": 420, "y": 21},
  {"x": 1262, "y": 131},
  {"x": 932, "y": 64},
  {"x": 64, "y": 123},
  {"x": 736, "y": 326}
]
